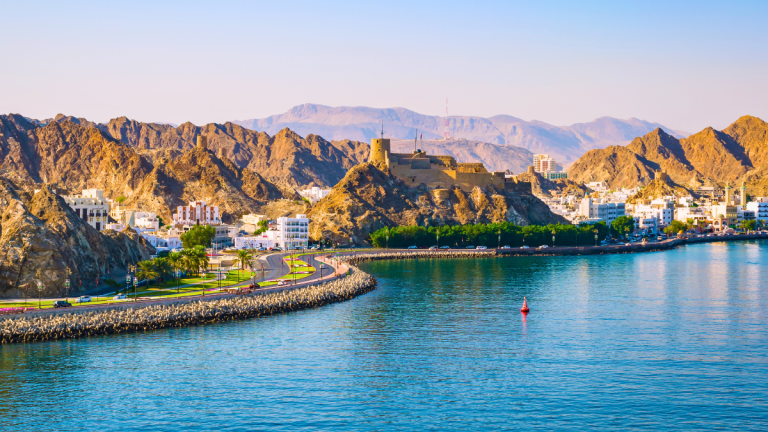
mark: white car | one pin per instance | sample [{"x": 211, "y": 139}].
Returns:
[
  {"x": 412, "y": 247},
  {"x": 282, "y": 283},
  {"x": 83, "y": 299},
  {"x": 543, "y": 247},
  {"x": 525, "y": 247},
  {"x": 481, "y": 248},
  {"x": 506, "y": 247},
  {"x": 120, "y": 297}
]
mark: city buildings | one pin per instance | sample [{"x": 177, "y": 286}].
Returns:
[
  {"x": 547, "y": 167},
  {"x": 760, "y": 209},
  {"x": 287, "y": 233},
  {"x": 91, "y": 207},
  {"x": 197, "y": 213},
  {"x": 253, "y": 219},
  {"x": 314, "y": 194},
  {"x": 606, "y": 211}
]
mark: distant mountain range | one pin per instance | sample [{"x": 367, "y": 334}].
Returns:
[{"x": 564, "y": 143}]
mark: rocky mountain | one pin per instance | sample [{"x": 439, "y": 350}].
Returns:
[
  {"x": 284, "y": 158},
  {"x": 40, "y": 232},
  {"x": 69, "y": 157},
  {"x": 495, "y": 157},
  {"x": 737, "y": 153},
  {"x": 564, "y": 143},
  {"x": 368, "y": 199}
]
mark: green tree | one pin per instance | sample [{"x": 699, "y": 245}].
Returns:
[
  {"x": 244, "y": 258},
  {"x": 749, "y": 225},
  {"x": 263, "y": 226},
  {"x": 198, "y": 235},
  {"x": 176, "y": 261},
  {"x": 120, "y": 199},
  {"x": 622, "y": 225},
  {"x": 148, "y": 271},
  {"x": 675, "y": 227}
]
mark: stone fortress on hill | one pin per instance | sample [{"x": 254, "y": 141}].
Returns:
[{"x": 439, "y": 173}]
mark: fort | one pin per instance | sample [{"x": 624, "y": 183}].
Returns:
[{"x": 437, "y": 172}]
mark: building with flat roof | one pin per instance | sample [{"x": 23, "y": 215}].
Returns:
[
  {"x": 91, "y": 207},
  {"x": 197, "y": 213}
]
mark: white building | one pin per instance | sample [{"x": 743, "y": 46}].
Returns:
[
  {"x": 91, "y": 207},
  {"x": 292, "y": 233},
  {"x": 253, "y": 219},
  {"x": 745, "y": 214},
  {"x": 255, "y": 242},
  {"x": 197, "y": 213},
  {"x": 314, "y": 194},
  {"x": 649, "y": 225},
  {"x": 115, "y": 227},
  {"x": 760, "y": 209},
  {"x": 660, "y": 209},
  {"x": 147, "y": 220},
  {"x": 700, "y": 214},
  {"x": 600, "y": 187},
  {"x": 608, "y": 212}
]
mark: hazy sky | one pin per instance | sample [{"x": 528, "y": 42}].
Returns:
[{"x": 686, "y": 65}]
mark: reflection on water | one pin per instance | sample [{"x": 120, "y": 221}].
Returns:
[{"x": 655, "y": 341}]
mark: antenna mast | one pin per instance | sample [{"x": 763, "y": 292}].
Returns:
[
  {"x": 415, "y": 139},
  {"x": 445, "y": 132},
  {"x": 382, "y": 128}
]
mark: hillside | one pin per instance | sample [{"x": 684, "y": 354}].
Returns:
[
  {"x": 285, "y": 158},
  {"x": 70, "y": 157},
  {"x": 495, "y": 157},
  {"x": 564, "y": 143},
  {"x": 368, "y": 199},
  {"x": 738, "y": 153},
  {"x": 41, "y": 232}
]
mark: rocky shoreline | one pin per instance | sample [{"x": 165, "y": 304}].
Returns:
[{"x": 183, "y": 313}]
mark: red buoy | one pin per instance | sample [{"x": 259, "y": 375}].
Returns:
[{"x": 525, "y": 309}]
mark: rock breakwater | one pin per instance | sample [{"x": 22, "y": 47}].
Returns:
[
  {"x": 178, "y": 314},
  {"x": 356, "y": 258}
]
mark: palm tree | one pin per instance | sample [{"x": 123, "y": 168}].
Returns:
[
  {"x": 147, "y": 270},
  {"x": 176, "y": 261},
  {"x": 243, "y": 256},
  {"x": 162, "y": 266}
]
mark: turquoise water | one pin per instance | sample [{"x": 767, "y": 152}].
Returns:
[{"x": 655, "y": 341}]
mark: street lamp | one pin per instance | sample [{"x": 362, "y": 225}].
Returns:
[
  {"x": 498, "y": 244},
  {"x": 39, "y": 289},
  {"x": 66, "y": 285},
  {"x": 553, "y": 238},
  {"x": 596, "y": 237}
]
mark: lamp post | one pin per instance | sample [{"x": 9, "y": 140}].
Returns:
[
  {"x": 553, "y": 238},
  {"x": 498, "y": 244},
  {"x": 39, "y": 289},
  {"x": 66, "y": 285},
  {"x": 596, "y": 237}
]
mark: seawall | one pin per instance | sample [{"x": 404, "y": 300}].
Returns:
[
  {"x": 183, "y": 313},
  {"x": 357, "y": 257}
]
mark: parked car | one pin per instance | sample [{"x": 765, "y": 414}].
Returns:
[
  {"x": 525, "y": 247},
  {"x": 61, "y": 304},
  {"x": 482, "y": 248},
  {"x": 659, "y": 238},
  {"x": 282, "y": 283},
  {"x": 470, "y": 247},
  {"x": 433, "y": 248},
  {"x": 543, "y": 247},
  {"x": 120, "y": 297},
  {"x": 506, "y": 247},
  {"x": 412, "y": 247},
  {"x": 83, "y": 299},
  {"x": 445, "y": 247}
]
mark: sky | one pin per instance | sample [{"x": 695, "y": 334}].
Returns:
[{"x": 686, "y": 65}]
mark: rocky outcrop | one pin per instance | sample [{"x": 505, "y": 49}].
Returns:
[
  {"x": 40, "y": 232},
  {"x": 368, "y": 199},
  {"x": 736, "y": 154},
  {"x": 285, "y": 158},
  {"x": 542, "y": 186},
  {"x": 657, "y": 188}
]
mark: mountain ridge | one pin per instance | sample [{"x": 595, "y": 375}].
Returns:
[{"x": 564, "y": 143}]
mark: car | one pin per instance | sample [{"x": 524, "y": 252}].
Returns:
[
  {"x": 482, "y": 248},
  {"x": 282, "y": 283},
  {"x": 61, "y": 304},
  {"x": 445, "y": 247},
  {"x": 659, "y": 238},
  {"x": 470, "y": 247},
  {"x": 433, "y": 248},
  {"x": 412, "y": 247},
  {"x": 120, "y": 297},
  {"x": 83, "y": 299},
  {"x": 506, "y": 247},
  {"x": 525, "y": 247},
  {"x": 543, "y": 247}
]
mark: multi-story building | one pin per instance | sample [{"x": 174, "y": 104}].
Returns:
[
  {"x": 554, "y": 175},
  {"x": 607, "y": 211},
  {"x": 743, "y": 214},
  {"x": 760, "y": 209},
  {"x": 648, "y": 224},
  {"x": 197, "y": 213},
  {"x": 726, "y": 213},
  {"x": 701, "y": 214},
  {"x": 91, "y": 207},
  {"x": 599, "y": 187},
  {"x": 292, "y": 233},
  {"x": 663, "y": 210},
  {"x": 146, "y": 220},
  {"x": 314, "y": 194}
]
